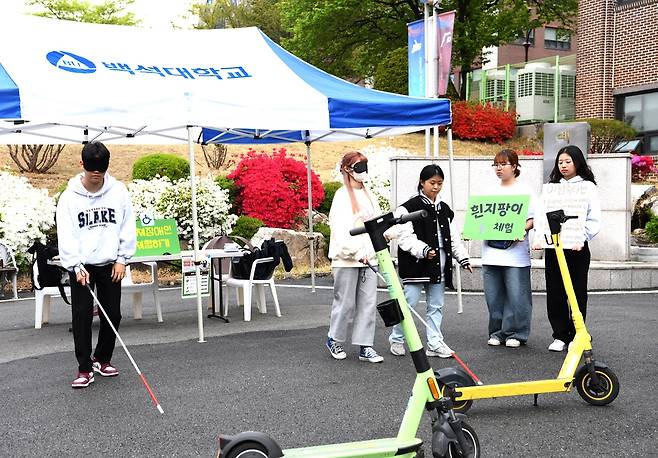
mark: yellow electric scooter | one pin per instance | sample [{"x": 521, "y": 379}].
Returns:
[{"x": 596, "y": 383}]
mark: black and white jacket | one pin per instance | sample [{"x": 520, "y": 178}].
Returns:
[{"x": 416, "y": 238}]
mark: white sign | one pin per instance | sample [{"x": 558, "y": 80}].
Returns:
[
  {"x": 188, "y": 288},
  {"x": 573, "y": 198}
]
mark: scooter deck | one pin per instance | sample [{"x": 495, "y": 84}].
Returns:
[{"x": 366, "y": 449}]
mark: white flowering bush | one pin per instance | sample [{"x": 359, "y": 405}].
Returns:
[
  {"x": 379, "y": 172},
  {"x": 145, "y": 195},
  {"x": 27, "y": 214},
  {"x": 165, "y": 199}
]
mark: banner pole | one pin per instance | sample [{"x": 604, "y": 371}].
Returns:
[{"x": 458, "y": 274}]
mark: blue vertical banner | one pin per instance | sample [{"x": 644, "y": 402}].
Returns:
[{"x": 416, "y": 53}]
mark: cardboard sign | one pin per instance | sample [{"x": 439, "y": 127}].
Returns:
[
  {"x": 498, "y": 217},
  {"x": 156, "y": 237},
  {"x": 189, "y": 277},
  {"x": 574, "y": 199}
]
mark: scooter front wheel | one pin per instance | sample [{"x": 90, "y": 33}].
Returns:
[
  {"x": 601, "y": 393},
  {"x": 453, "y": 450},
  {"x": 249, "y": 449}
]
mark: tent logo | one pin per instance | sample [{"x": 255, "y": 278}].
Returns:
[{"x": 70, "y": 62}]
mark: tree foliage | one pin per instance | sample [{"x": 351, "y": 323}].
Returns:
[
  {"x": 392, "y": 72},
  {"x": 263, "y": 14},
  {"x": 349, "y": 38},
  {"x": 109, "y": 12}
]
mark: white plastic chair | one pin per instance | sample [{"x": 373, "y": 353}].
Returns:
[
  {"x": 244, "y": 288},
  {"x": 221, "y": 268},
  {"x": 42, "y": 296},
  {"x": 8, "y": 268},
  {"x": 136, "y": 289}
]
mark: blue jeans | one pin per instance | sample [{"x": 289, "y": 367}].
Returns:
[
  {"x": 509, "y": 299},
  {"x": 435, "y": 298}
]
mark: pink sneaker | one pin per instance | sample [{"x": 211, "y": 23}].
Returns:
[
  {"x": 105, "y": 369},
  {"x": 83, "y": 380}
]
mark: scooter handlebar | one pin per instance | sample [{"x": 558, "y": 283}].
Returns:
[
  {"x": 401, "y": 220},
  {"x": 413, "y": 216},
  {"x": 358, "y": 230}
]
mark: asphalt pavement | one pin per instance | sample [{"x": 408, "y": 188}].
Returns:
[{"x": 274, "y": 375}]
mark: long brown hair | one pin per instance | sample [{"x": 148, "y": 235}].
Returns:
[{"x": 348, "y": 159}]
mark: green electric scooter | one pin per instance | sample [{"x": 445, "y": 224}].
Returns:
[{"x": 451, "y": 435}]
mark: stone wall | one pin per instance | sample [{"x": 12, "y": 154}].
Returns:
[{"x": 475, "y": 176}]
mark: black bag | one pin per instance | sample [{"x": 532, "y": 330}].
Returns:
[
  {"x": 500, "y": 244},
  {"x": 241, "y": 267},
  {"x": 49, "y": 274}
]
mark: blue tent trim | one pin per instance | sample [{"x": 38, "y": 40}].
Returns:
[
  {"x": 351, "y": 105},
  {"x": 10, "y": 100}
]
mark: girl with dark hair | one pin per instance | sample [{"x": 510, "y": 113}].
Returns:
[
  {"x": 571, "y": 167},
  {"x": 355, "y": 285},
  {"x": 506, "y": 267},
  {"x": 425, "y": 250}
]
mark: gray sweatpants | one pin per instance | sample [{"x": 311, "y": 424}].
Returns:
[{"x": 355, "y": 299}]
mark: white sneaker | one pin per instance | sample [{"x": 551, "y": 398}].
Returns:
[
  {"x": 442, "y": 351},
  {"x": 397, "y": 349},
  {"x": 494, "y": 341},
  {"x": 513, "y": 343},
  {"x": 557, "y": 345},
  {"x": 370, "y": 355}
]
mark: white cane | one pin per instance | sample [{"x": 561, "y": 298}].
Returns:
[{"x": 141, "y": 375}]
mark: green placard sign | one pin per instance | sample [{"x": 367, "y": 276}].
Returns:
[
  {"x": 496, "y": 217},
  {"x": 156, "y": 237}
]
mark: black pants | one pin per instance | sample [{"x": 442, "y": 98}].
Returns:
[
  {"x": 82, "y": 308},
  {"x": 556, "y": 297}
]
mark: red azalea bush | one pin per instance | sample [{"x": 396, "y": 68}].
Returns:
[
  {"x": 474, "y": 121},
  {"x": 641, "y": 166},
  {"x": 272, "y": 187},
  {"x": 529, "y": 152}
]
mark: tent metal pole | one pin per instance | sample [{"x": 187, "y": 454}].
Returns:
[
  {"x": 195, "y": 234},
  {"x": 460, "y": 303},
  {"x": 311, "y": 239},
  {"x": 426, "y": 49}
]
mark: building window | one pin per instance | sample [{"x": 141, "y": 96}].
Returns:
[
  {"x": 556, "y": 38},
  {"x": 521, "y": 39},
  {"x": 641, "y": 112}
]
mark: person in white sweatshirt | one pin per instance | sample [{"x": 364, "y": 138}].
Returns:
[
  {"x": 96, "y": 235},
  {"x": 355, "y": 285},
  {"x": 570, "y": 167}
]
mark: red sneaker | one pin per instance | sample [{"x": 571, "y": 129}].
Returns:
[
  {"x": 83, "y": 380},
  {"x": 105, "y": 369}
]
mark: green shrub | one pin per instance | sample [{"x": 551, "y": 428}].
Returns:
[
  {"x": 164, "y": 165},
  {"x": 652, "y": 229},
  {"x": 330, "y": 189},
  {"x": 246, "y": 226},
  {"x": 229, "y": 185},
  {"x": 325, "y": 230},
  {"x": 607, "y": 133},
  {"x": 391, "y": 74}
]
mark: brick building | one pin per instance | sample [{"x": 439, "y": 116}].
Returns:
[
  {"x": 543, "y": 42},
  {"x": 617, "y": 64}
]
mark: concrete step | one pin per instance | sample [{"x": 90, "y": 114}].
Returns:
[
  {"x": 644, "y": 253},
  {"x": 603, "y": 276}
]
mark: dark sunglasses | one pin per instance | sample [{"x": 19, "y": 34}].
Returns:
[{"x": 360, "y": 167}]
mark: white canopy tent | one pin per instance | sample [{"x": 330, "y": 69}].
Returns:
[{"x": 71, "y": 82}]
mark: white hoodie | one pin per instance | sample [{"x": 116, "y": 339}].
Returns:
[{"x": 95, "y": 228}]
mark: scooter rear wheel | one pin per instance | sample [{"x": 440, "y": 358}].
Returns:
[
  {"x": 603, "y": 394},
  {"x": 249, "y": 449},
  {"x": 472, "y": 439}
]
